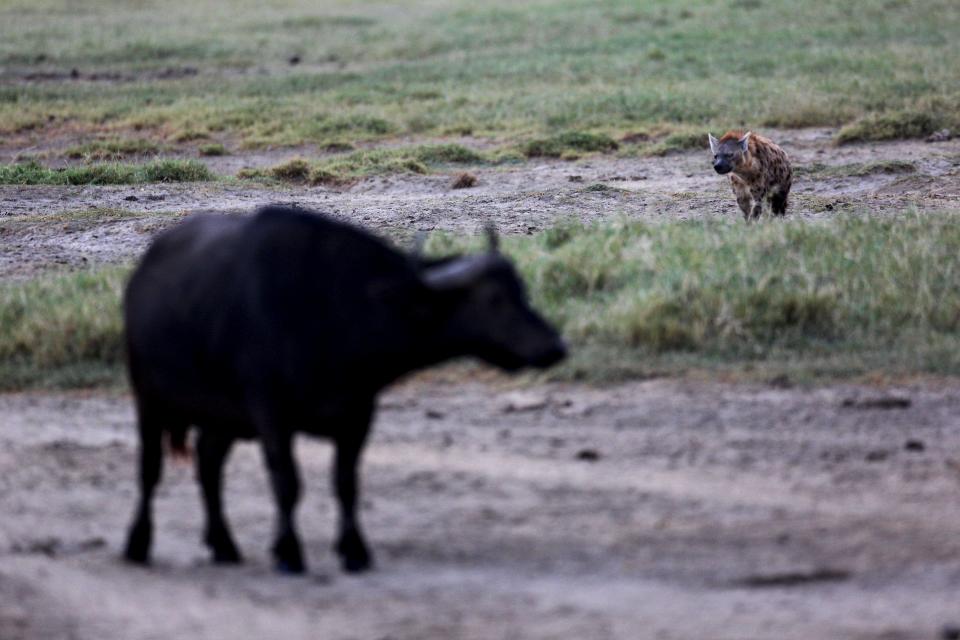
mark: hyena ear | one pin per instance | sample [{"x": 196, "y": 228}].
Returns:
[
  {"x": 745, "y": 141},
  {"x": 713, "y": 143}
]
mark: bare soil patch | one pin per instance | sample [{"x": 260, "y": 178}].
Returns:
[
  {"x": 517, "y": 198},
  {"x": 706, "y": 510}
]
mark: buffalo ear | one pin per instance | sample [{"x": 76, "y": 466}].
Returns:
[
  {"x": 493, "y": 240},
  {"x": 714, "y": 143},
  {"x": 745, "y": 141}
]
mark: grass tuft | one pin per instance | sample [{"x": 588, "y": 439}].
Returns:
[
  {"x": 213, "y": 149},
  {"x": 857, "y": 169},
  {"x": 296, "y": 170},
  {"x": 890, "y": 126},
  {"x": 33, "y": 173},
  {"x": 568, "y": 143},
  {"x": 678, "y": 141},
  {"x": 173, "y": 171}
]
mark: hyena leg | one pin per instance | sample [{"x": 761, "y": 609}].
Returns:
[
  {"x": 746, "y": 204},
  {"x": 743, "y": 195},
  {"x": 778, "y": 203},
  {"x": 757, "y": 209}
]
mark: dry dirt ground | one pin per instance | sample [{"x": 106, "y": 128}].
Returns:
[
  {"x": 518, "y": 199},
  {"x": 660, "y": 509}
]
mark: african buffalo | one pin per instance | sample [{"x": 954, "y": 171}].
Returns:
[{"x": 289, "y": 321}]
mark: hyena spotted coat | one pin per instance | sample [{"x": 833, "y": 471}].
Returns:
[{"x": 759, "y": 171}]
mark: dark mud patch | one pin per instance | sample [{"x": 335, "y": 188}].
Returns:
[
  {"x": 878, "y": 402},
  {"x": 793, "y": 579},
  {"x": 75, "y": 74}
]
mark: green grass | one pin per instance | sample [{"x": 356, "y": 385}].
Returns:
[
  {"x": 896, "y": 125},
  {"x": 567, "y": 144},
  {"x": 857, "y": 169},
  {"x": 517, "y": 71},
  {"x": 212, "y": 149},
  {"x": 847, "y": 297},
  {"x": 61, "y": 330},
  {"x": 33, "y": 173},
  {"x": 840, "y": 298}
]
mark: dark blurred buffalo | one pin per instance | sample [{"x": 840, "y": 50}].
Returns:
[{"x": 290, "y": 321}]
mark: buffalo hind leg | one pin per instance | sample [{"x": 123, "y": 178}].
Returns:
[
  {"x": 140, "y": 536},
  {"x": 212, "y": 451},
  {"x": 354, "y": 554},
  {"x": 278, "y": 451}
]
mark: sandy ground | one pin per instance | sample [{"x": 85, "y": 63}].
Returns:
[{"x": 661, "y": 509}]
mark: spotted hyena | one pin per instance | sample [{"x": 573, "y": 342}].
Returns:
[{"x": 758, "y": 168}]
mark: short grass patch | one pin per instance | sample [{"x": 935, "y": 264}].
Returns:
[
  {"x": 501, "y": 69},
  {"x": 844, "y": 298},
  {"x": 857, "y": 169},
  {"x": 567, "y": 144},
  {"x": 61, "y": 329},
  {"x": 896, "y": 125},
  {"x": 213, "y": 149},
  {"x": 33, "y": 173},
  {"x": 677, "y": 141}
]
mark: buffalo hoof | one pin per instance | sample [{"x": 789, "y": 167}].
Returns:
[
  {"x": 287, "y": 569},
  {"x": 227, "y": 555},
  {"x": 354, "y": 555},
  {"x": 224, "y": 550},
  {"x": 288, "y": 558},
  {"x": 138, "y": 544}
]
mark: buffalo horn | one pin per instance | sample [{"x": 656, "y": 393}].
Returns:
[{"x": 455, "y": 274}]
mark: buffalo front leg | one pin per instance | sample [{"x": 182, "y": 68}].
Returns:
[
  {"x": 140, "y": 536},
  {"x": 278, "y": 452},
  {"x": 212, "y": 451},
  {"x": 351, "y": 547}
]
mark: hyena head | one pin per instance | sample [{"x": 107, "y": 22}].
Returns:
[{"x": 730, "y": 151}]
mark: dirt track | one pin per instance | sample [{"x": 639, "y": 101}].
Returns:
[{"x": 712, "y": 511}]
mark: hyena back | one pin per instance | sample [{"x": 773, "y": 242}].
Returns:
[{"x": 759, "y": 171}]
